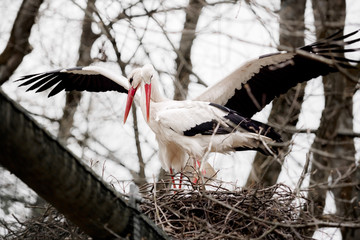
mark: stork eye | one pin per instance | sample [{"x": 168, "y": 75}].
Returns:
[{"x": 131, "y": 80}]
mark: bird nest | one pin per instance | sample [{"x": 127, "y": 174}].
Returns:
[
  {"x": 193, "y": 213},
  {"x": 49, "y": 225},
  {"x": 267, "y": 213}
]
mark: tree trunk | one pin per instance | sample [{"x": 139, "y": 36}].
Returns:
[
  {"x": 73, "y": 98},
  {"x": 346, "y": 197},
  {"x": 18, "y": 45},
  {"x": 333, "y": 83},
  {"x": 286, "y": 108},
  {"x": 332, "y": 154},
  {"x": 183, "y": 60}
]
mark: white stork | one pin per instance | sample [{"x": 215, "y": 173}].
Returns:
[
  {"x": 219, "y": 119},
  {"x": 186, "y": 130}
]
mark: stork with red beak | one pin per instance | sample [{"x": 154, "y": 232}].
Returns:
[
  {"x": 218, "y": 120},
  {"x": 186, "y": 130}
]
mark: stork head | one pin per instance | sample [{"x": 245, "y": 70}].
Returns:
[{"x": 137, "y": 77}]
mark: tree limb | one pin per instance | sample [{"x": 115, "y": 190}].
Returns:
[
  {"x": 63, "y": 180},
  {"x": 18, "y": 45}
]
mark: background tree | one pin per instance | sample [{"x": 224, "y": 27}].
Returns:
[
  {"x": 333, "y": 159},
  {"x": 286, "y": 109},
  {"x": 16, "y": 49},
  {"x": 18, "y": 44}
]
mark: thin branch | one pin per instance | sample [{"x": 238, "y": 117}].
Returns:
[
  {"x": 140, "y": 180},
  {"x": 199, "y": 80}
]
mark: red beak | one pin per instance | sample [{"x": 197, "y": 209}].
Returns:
[
  {"x": 148, "y": 95},
  {"x": 130, "y": 98}
]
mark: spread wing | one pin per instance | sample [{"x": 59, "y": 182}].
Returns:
[
  {"x": 255, "y": 84},
  {"x": 91, "y": 78}
]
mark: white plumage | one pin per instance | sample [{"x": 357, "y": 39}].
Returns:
[{"x": 185, "y": 130}]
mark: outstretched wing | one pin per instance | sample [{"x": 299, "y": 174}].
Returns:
[
  {"x": 91, "y": 78},
  {"x": 252, "y": 86}
]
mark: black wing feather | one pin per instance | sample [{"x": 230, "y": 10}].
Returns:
[
  {"x": 30, "y": 79},
  {"x": 207, "y": 128},
  {"x": 334, "y": 50},
  {"x": 58, "y": 88},
  {"x": 236, "y": 123},
  {"x": 49, "y": 84},
  {"x": 40, "y": 82},
  {"x": 69, "y": 81}
]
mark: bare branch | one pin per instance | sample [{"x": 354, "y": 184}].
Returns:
[{"x": 18, "y": 45}]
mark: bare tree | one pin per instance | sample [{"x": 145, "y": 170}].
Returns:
[
  {"x": 18, "y": 45},
  {"x": 334, "y": 87},
  {"x": 127, "y": 33},
  {"x": 183, "y": 62},
  {"x": 183, "y": 59},
  {"x": 333, "y": 155},
  {"x": 286, "y": 108},
  {"x": 87, "y": 40},
  {"x": 73, "y": 98}
]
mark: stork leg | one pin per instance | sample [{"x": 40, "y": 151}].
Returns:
[
  {"x": 181, "y": 178},
  {"x": 172, "y": 178},
  {"x": 197, "y": 165}
]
